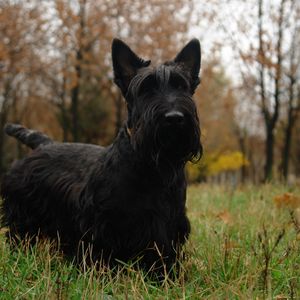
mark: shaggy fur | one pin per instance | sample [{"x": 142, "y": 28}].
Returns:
[{"x": 125, "y": 201}]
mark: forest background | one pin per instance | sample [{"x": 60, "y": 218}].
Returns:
[{"x": 56, "y": 76}]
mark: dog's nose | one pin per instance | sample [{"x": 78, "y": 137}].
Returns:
[{"x": 174, "y": 117}]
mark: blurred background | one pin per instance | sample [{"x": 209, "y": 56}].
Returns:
[{"x": 56, "y": 76}]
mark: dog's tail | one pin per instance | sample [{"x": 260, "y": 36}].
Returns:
[{"x": 30, "y": 138}]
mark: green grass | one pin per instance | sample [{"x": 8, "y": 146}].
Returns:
[{"x": 242, "y": 247}]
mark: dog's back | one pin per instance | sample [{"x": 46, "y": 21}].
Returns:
[{"x": 41, "y": 192}]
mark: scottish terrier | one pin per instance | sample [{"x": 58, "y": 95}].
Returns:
[{"x": 124, "y": 202}]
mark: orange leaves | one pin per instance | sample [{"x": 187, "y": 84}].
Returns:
[
  {"x": 226, "y": 217},
  {"x": 287, "y": 200},
  {"x": 292, "y": 202}
]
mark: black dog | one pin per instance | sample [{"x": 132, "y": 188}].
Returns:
[{"x": 125, "y": 201}]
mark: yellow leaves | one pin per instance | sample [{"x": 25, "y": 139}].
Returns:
[
  {"x": 287, "y": 200},
  {"x": 227, "y": 162},
  {"x": 214, "y": 163}
]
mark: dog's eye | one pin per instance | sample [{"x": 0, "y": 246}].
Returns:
[
  {"x": 181, "y": 86},
  {"x": 148, "y": 85},
  {"x": 178, "y": 83}
]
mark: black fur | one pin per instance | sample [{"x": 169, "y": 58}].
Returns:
[
  {"x": 31, "y": 138},
  {"x": 126, "y": 200}
]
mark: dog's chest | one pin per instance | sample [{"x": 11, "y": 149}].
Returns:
[
  {"x": 147, "y": 197},
  {"x": 137, "y": 220}
]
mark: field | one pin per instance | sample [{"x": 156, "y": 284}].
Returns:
[{"x": 245, "y": 244}]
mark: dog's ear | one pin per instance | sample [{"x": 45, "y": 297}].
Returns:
[
  {"x": 190, "y": 58},
  {"x": 125, "y": 64}
]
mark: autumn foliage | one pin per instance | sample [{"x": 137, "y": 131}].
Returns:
[{"x": 56, "y": 76}]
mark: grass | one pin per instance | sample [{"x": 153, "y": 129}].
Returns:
[{"x": 242, "y": 247}]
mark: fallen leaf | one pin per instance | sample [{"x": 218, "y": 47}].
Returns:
[
  {"x": 226, "y": 217},
  {"x": 281, "y": 297},
  {"x": 229, "y": 245},
  {"x": 287, "y": 200}
]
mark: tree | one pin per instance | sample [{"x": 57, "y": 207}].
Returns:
[
  {"x": 82, "y": 44},
  {"x": 22, "y": 32},
  {"x": 84, "y": 37},
  {"x": 293, "y": 97},
  {"x": 270, "y": 117},
  {"x": 216, "y": 104},
  {"x": 263, "y": 62}
]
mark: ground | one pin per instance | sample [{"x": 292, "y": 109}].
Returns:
[{"x": 245, "y": 244}]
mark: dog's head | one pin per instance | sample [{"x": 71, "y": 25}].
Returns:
[{"x": 162, "y": 116}]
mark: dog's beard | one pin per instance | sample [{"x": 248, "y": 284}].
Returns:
[
  {"x": 180, "y": 143},
  {"x": 166, "y": 145}
]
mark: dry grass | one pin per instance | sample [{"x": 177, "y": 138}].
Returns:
[{"x": 243, "y": 246}]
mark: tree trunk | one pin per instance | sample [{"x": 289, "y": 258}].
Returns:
[
  {"x": 269, "y": 153},
  {"x": 78, "y": 71},
  {"x": 270, "y": 117},
  {"x": 3, "y": 120},
  {"x": 75, "y": 98},
  {"x": 286, "y": 150},
  {"x": 1, "y": 149},
  {"x": 64, "y": 111},
  {"x": 242, "y": 144},
  {"x": 292, "y": 109}
]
